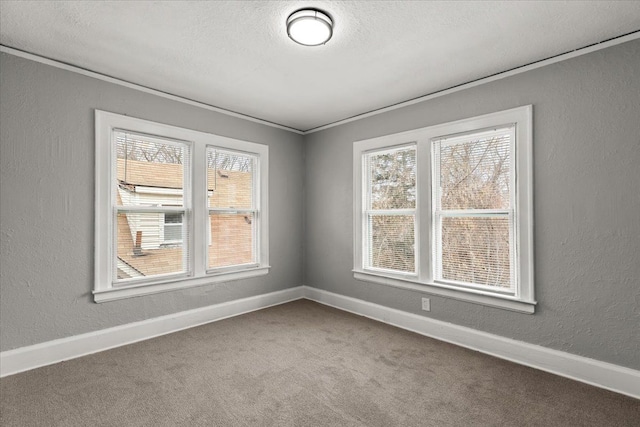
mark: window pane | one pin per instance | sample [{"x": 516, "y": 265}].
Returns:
[
  {"x": 391, "y": 242},
  {"x": 232, "y": 239},
  {"x": 476, "y": 250},
  {"x": 474, "y": 173},
  {"x": 149, "y": 172},
  {"x": 140, "y": 251},
  {"x": 392, "y": 179},
  {"x": 172, "y": 226},
  {"x": 229, "y": 179}
]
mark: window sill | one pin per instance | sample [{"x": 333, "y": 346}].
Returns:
[
  {"x": 131, "y": 291},
  {"x": 505, "y": 302}
]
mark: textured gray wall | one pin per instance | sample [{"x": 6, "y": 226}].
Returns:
[
  {"x": 586, "y": 198},
  {"x": 587, "y": 204},
  {"x": 47, "y": 197}
]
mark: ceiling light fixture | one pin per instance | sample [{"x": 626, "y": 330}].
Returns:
[{"x": 309, "y": 27}]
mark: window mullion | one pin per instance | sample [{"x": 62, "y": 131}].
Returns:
[
  {"x": 199, "y": 215},
  {"x": 366, "y": 227},
  {"x": 423, "y": 211}
]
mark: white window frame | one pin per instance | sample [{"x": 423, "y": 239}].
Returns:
[
  {"x": 255, "y": 210},
  {"x": 522, "y": 299},
  {"x": 369, "y": 212},
  {"x": 196, "y": 214}
]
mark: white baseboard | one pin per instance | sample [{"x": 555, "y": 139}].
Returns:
[
  {"x": 50, "y": 352},
  {"x": 600, "y": 374}
]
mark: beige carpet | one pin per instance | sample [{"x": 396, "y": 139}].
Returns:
[{"x": 302, "y": 364}]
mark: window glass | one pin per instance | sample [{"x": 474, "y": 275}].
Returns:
[
  {"x": 392, "y": 179},
  {"x": 392, "y": 244},
  {"x": 229, "y": 179},
  {"x": 232, "y": 214},
  {"x": 172, "y": 227},
  {"x": 150, "y": 172},
  {"x": 476, "y": 251},
  {"x": 391, "y": 201},
  {"x": 232, "y": 239},
  {"x": 475, "y": 172}
]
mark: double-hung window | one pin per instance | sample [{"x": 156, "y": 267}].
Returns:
[
  {"x": 232, "y": 212},
  {"x": 447, "y": 210},
  {"x": 175, "y": 208},
  {"x": 390, "y": 210}
]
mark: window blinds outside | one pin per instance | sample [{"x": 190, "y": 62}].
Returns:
[
  {"x": 390, "y": 210},
  {"x": 474, "y": 209},
  {"x": 172, "y": 227},
  {"x": 150, "y": 208},
  {"x": 233, "y": 212}
]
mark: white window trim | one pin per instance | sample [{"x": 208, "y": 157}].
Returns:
[
  {"x": 197, "y": 274},
  {"x": 254, "y": 210},
  {"x": 423, "y": 281},
  {"x": 366, "y": 201}
]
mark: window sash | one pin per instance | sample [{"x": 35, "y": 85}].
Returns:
[
  {"x": 255, "y": 237},
  {"x": 437, "y": 261},
  {"x": 255, "y": 171},
  {"x": 368, "y": 241},
  {"x": 184, "y": 209},
  {"x": 368, "y": 213},
  {"x": 254, "y": 211},
  {"x": 502, "y": 131}
]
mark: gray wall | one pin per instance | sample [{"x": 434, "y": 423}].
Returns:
[
  {"x": 586, "y": 198},
  {"x": 587, "y": 204},
  {"x": 47, "y": 197}
]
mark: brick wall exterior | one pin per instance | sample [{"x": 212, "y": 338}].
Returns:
[{"x": 231, "y": 240}]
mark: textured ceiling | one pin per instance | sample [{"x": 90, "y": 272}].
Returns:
[{"x": 236, "y": 55}]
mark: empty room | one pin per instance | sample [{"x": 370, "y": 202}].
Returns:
[{"x": 323, "y": 213}]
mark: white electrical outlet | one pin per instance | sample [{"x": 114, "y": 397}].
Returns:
[{"x": 426, "y": 304}]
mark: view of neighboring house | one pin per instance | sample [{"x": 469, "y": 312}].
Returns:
[{"x": 151, "y": 243}]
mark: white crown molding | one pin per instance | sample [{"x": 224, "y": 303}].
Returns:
[
  {"x": 103, "y": 77},
  {"x": 502, "y": 75},
  {"x": 538, "y": 64},
  {"x": 600, "y": 374}
]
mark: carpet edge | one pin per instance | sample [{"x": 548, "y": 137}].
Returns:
[
  {"x": 600, "y": 374},
  {"x": 47, "y": 353}
]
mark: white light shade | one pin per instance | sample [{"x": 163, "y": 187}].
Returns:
[{"x": 309, "y": 27}]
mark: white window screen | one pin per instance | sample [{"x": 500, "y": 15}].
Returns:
[
  {"x": 232, "y": 208},
  {"x": 150, "y": 207},
  {"x": 474, "y": 212},
  {"x": 390, "y": 210}
]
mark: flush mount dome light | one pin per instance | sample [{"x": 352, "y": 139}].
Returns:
[{"x": 309, "y": 27}]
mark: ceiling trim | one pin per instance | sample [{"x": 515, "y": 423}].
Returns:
[
  {"x": 501, "y": 75},
  {"x": 482, "y": 80},
  {"x": 130, "y": 85}
]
